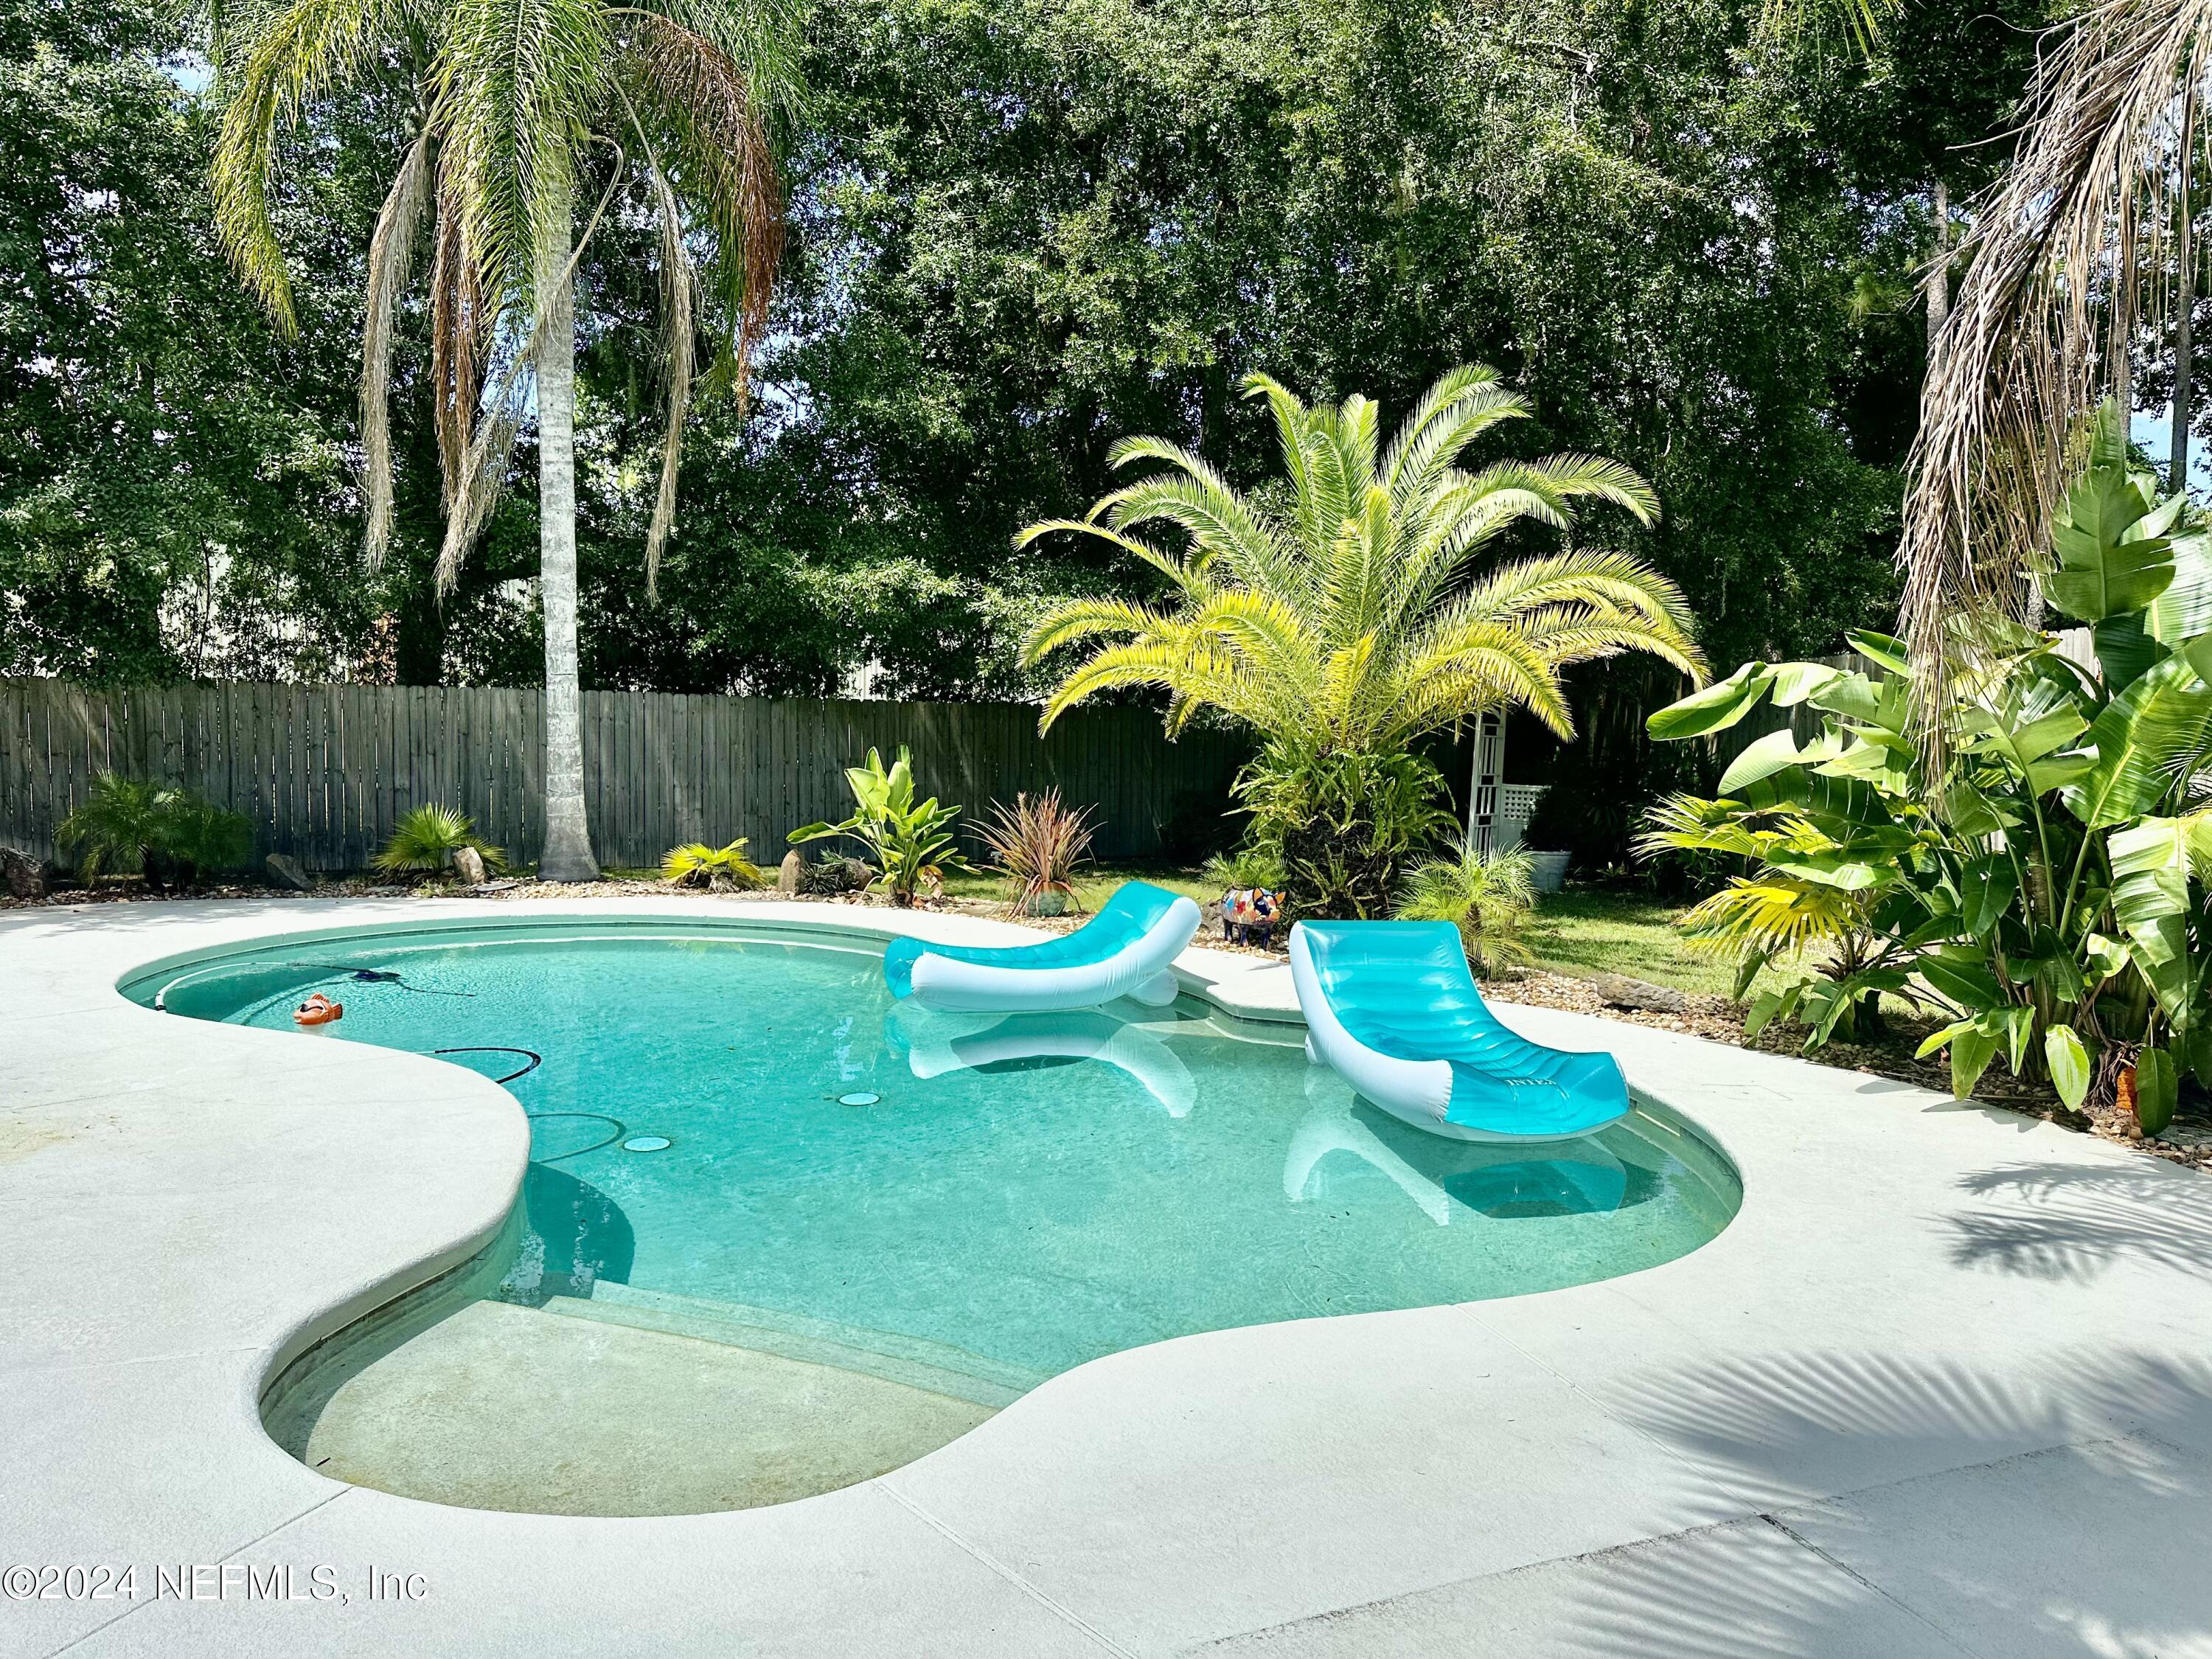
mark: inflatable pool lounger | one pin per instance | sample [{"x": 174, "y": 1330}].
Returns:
[
  {"x": 1391, "y": 1008},
  {"x": 1122, "y": 952}
]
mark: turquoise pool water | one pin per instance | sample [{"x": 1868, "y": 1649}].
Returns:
[{"x": 731, "y": 1120}]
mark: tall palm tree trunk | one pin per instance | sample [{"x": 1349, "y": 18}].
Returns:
[
  {"x": 1939, "y": 270},
  {"x": 567, "y": 854},
  {"x": 2185, "y": 301}
]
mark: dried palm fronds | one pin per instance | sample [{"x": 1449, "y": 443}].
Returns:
[{"x": 2071, "y": 257}]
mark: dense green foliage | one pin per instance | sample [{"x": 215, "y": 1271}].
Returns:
[
  {"x": 1021, "y": 230},
  {"x": 133, "y": 826},
  {"x": 2044, "y": 886},
  {"x": 908, "y": 841}
]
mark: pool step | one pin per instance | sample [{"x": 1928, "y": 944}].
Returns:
[{"x": 938, "y": 1367}]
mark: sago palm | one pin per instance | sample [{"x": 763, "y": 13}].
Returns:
[
  {"x": 1353, "y": 621},
  {"x": 519, "y": 102}
]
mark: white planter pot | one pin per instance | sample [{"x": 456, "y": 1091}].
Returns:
[{"x": 1548, "y": 871}]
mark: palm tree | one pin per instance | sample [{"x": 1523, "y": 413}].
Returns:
[
  {"x": 2083, "y": 246},
  {"x": 1351, "y": 622},
  {"x": 519, "y": 102},
  {"x": 1487, "y": 895}
]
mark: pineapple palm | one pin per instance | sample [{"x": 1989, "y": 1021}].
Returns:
[
  {"x": 1353, "y": 622},
  {"x": 520, "y": 102},
  {"x": 1344, "y": 617}
]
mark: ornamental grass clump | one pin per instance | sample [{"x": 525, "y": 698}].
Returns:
[{"x": 1035, "y": 844}]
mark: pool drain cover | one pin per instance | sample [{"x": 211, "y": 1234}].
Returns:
[
  {"x": 646, "y": 1144},
  {"x": 861, "y": 1099}
]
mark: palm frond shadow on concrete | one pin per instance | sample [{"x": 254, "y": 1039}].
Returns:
[{"x": 2066, "y": 1223}]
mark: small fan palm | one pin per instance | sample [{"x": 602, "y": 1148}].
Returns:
[
  {"x": 1353, "y": 621},
  {"x": 427, "y": 839},
  {"x": 722, "y": 868},
  {"x": 1487, "y": 896}
]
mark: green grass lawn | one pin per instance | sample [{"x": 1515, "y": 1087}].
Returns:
[
  {"x": 1588, "y": 930},
  {"x": 1584, "y": 931},
  {"x": 1094, "y": 885}
]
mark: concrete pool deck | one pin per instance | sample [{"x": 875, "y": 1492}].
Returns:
[{"x": 1944, "y": 1387}]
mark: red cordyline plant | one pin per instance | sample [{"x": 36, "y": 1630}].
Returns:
[{"x": 1035, "y": 844}]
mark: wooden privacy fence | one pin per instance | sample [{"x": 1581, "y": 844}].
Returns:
[{"x": 323, "y": 771}]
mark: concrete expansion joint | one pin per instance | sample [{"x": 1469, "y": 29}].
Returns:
[
  {"x": 1868, "y": 1584},
  {"x": 1058, "y": 1609}
]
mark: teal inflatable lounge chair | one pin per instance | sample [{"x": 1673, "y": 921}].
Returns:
[
  {"x": 1391, "y": 1008},
  {"x": 1122, "y": 952}
]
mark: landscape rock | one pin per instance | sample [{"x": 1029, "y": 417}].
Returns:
[
  {"x": 469, "y": 865},
  {"x": 791, "y": 873},
  {"x": 284, "y": 871},
  {"x": 25, "y": 876},
  {"x": 1619, "y": 990}
]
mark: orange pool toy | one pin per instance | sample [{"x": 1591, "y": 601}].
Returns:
[{"x": 318, "y": 1010}]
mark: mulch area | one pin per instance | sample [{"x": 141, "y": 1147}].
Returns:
[{"x": 2188, "y": 1139}]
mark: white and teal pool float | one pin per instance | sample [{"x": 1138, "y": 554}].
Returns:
[
  {"x": 1391, "y": 1008},
  {"x": 1124, "y": 950}
]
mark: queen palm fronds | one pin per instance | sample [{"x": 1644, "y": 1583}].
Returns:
[
  {"x": 1352, "y": 620},
  {"x": 690, "y": 96},
  {"x": 2069, "y": 258},
  {"x": 391, "y": 255}
]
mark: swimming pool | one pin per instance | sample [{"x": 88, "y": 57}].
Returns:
[{"x": 737, "y": 1139}]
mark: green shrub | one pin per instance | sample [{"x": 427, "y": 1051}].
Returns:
[
  {"x": 130, "y": 826},
  {"x": 1487, "y": 896},
  {"x": 1247, "y": 866},
  {"x": 1344, "y": 825},
  {"x": 833, "y": 874},
  {"x": 910, "y": 843}
]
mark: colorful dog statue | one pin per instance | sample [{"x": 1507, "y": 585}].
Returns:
[{"x": 1249, "y": 914}]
